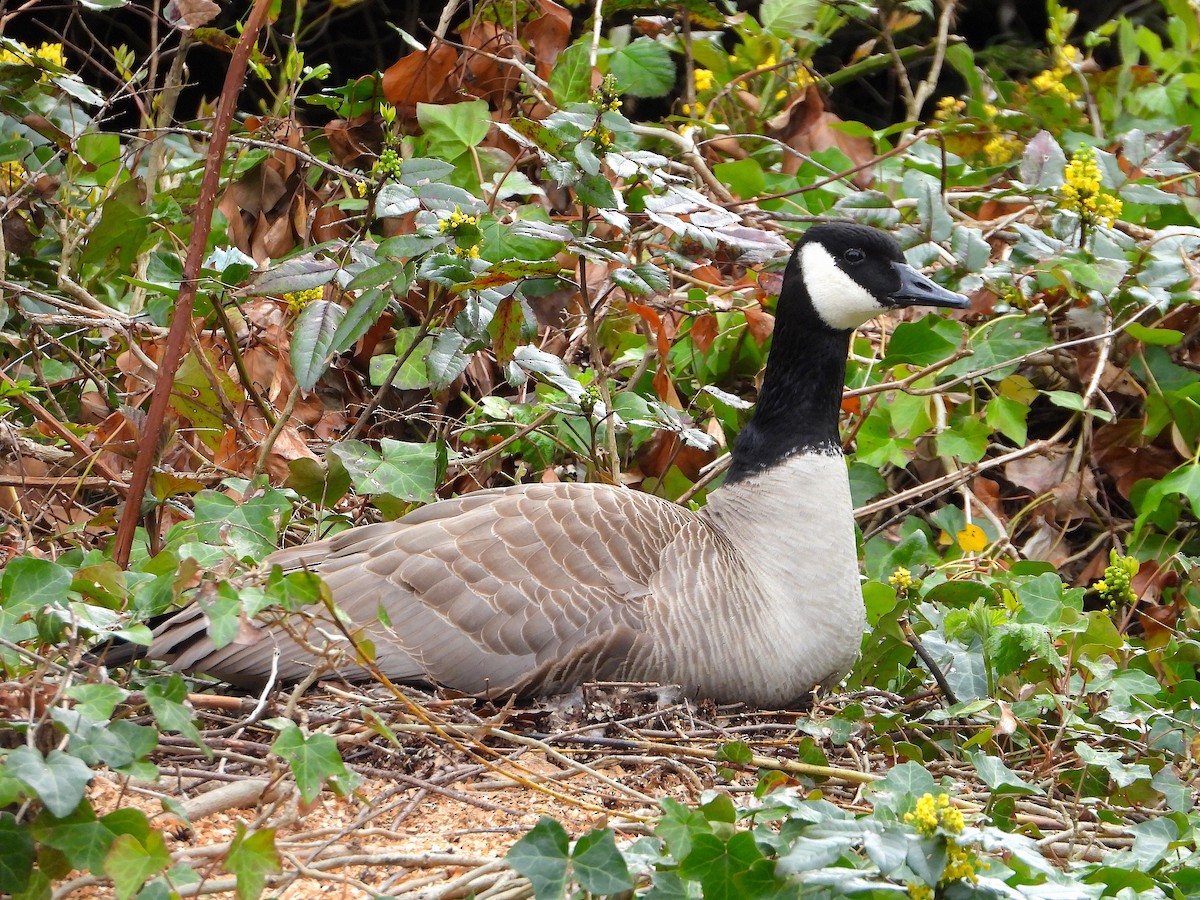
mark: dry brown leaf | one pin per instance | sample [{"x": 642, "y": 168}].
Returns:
[
  {"x": 421, "y": 77},
  {"x": 806, "y": 126}
]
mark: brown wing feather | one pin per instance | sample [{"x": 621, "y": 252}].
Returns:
[{"x": 516, "y": 589}]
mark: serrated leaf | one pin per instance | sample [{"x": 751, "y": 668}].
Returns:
[
  {"x": 300, "y": 273},
  {"x": 789, "y": 19},
  {"x": 643, "y": 68},
  {"x": 312, "y": 341},
  {"x": 571, "y": 79},
  {"x": 362, "y": 314}
]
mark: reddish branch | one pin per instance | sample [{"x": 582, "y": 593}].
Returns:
[{"x": 181, "y": 321}]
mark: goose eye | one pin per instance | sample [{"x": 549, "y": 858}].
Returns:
[{"x": 854, "y": 256}]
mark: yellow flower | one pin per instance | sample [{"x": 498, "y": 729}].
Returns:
[
  {"x": 769, "y": 62},
  {"x": 960, "y": 863},
  {"x": 1001, "y": 149},
  {"x": 297, "y": 300},
  {"x": 1082, "y": 193},
  {"x": 948, "y": 107},
  {"x": 704, "y": 79},
  {"x": 903, "y": 582},
  {"x": 919, "y": 891},
  {"x": 1050, "y": 81},
  {"x": 695, "y": 110},
  {"x": 467, "y": 252},
  {"x": 24, "y": 55},
  {"x": 456, "y": 218},
  {"x": 12, "y": 177}
]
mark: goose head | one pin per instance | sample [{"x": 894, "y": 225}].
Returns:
[{"x": 846, "y": 273}]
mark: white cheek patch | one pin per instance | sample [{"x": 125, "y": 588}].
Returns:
[{"x": 838, "y": 299}]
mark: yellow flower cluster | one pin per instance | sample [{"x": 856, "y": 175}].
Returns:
[
  {"x": 931, "y": 815},
  {"x": 1050, "y": 81},
  {"x": 297, "y": 300},
  {"x": 1002, "y": 148},
  {"x": 948, "y": 107},
  {"x": 24, "y": 55},
  {"x": 603, "y": 137},
  {"x": 456, "y": 218},
  {"x": 471, "y": 252},
  {"x": 12, "y": 177},
  {"x": 903, "y": 582},
  {"x": 704, "y": 80},
  {"x": 1082, "y": 193}
]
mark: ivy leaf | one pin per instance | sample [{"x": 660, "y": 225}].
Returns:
[
  {"x": 408, "y": 471},
  {"x": 16, "y": 862},
  {"x": 166, "y": 701},
  {"x": 999, "y": 778},
  {"x": 715, "y": 863},
  {"x": 643, "y": 68},
  {"x": 542, "y": 857},
  {"x": 29, "y": 583},
  {"x": 923, "y": 342},
  {"x": 131, "y": 862},
  {"x": 58, "y": 779},
  {"x": 598, "y": 865},
  {"x": 314, "y": 760},
  {"x": 252, "y": 857}
]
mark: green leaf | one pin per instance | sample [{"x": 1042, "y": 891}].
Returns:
[
  {"x": 1008, "y": 416},
  {"x": 1073, "y": 401},
  {"x": 58, "y": 779},
  {"x": 252, "y": 857},
  {"x": 643, "y": 68},
  {"x": 312, "y": 341},
  {"x": 789, "y": 19},
  {"x": 966, "y": 439},
  {"x": 166, "y": 699},
  {"x": 542, "y": 857},
  {"x": 300, "y": 273},
  {"x": 923, "y": 342},
  {"x": 1158, "y": 337},
  {"x": 1000, "y": 341},
  {"x": 598, "y": 865},
  {"x": 363, "y": 313},
  {"x": 715, "y": 863},
  {"x": 1043, "y": 163},
  {"x": 131, "y": 862},
  {"x": 453, "y": 129},
  {"x": 743, "y": 176},
  {"x": 16, "y": 862},
  {"x": 999, "y": 778},
  {"x": 571, "y": 79},
  {"x": 314, "y": 760},
  {"x": 404, "y": 470},
  {"x": 29, "y": 583}
]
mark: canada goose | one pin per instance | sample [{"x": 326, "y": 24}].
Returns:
[{"x": 537, "y": 588}]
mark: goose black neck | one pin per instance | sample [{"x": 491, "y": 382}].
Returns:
[{"x": 801, "y": 395}]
